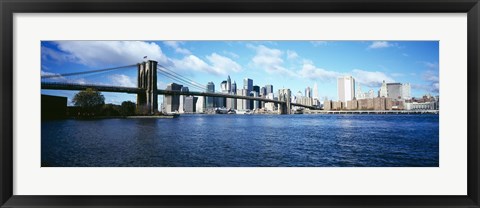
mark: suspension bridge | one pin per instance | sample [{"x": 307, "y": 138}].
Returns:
[{"x": 147, "y": 91}]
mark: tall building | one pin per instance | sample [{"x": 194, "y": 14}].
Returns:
[
  {"x": 200, "y": 105},
  {"x": 308, "y": 92},
  {"x": 394, "y": 90},
  {"x": 210, "y": 101},
  {"x": 263, "y": 91},
  {"x": 406, "y": 90},
  {"x": 181, "y": 107},
  {"x": 172, "y": 102},
  {"x": 398, "y": 91},
  {"x": 269, "y": 89},
  {"x": 346, "y": 88},
  {"x": 234, "y": 87},
  {"x": 240, "y": 102},
  {"x": 383, "y": 92},
  {"x": 248, "y": 84},
  {"x": 190, "y": 104},
  {"x": 229, "y": 84},
  {"x": 315, "y": 91},
  {"x": 256, "y": 103}
]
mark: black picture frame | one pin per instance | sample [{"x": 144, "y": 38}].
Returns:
[{"x": 10, "y": 7}]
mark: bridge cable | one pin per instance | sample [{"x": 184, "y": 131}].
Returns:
[{"x": 85, "y": 72}]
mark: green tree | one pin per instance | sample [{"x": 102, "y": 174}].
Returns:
[
  {"x": 127, "y": 108},
  {"x": 89, "y": 100}
]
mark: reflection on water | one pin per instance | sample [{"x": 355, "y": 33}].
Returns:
[{"x": 244, "y": 141}]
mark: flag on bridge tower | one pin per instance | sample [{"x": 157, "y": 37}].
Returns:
[{"x": 145, "y": 57}]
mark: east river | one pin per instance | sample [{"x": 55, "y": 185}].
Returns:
[{"x": 244, "y": 141}]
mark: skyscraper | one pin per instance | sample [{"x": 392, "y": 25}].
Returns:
[
  {"x": 406, "y": 91},
  {"x": 181, "y": 107},
  {"x": 315, "y": 91},
  {"x": 229, "y": 84},
  {"x": 383, "y": 90},
  {"x": 269, "y": 89},
  {"x": 248, "y": 84},
  {"x": 394, "y": 90},
  {"x": 346, "y": 89},
  {"x": 308, "y": 92},
  {"x": 210, "y": 101},
  {"x": 172, "y": 102}
]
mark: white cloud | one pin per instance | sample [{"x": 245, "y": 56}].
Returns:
[
  {"x": 312, "y": 72},
  {"x": 122, "y": 80},
  {"x": 176, "y": 46},
  {"x": 291, "y": 54},
  {"x": 429, "y": 65},
  {"x": 398, "y": 74},
  {"x": 48, "y": 53},
  {"x": 270, "y": 60},
  {"x": 223, "y": 64},
  {"x": 370, "y": 78},
  {"x": 217, "y": 64},
  {"x": 231, "y": 54},
  {"x": 381, "y": 44},
  {"x": 116, "y": 53}
]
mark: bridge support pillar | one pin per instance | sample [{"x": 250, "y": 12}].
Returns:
[{"x": 147, "y": 100}]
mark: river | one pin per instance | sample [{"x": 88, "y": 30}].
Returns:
[{"x": 244, "y": 141}]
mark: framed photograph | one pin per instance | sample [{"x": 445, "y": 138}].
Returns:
[{"x": 239, "y": 104}]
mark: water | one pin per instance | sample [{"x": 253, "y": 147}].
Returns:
[{"x": 244, "y": 141}]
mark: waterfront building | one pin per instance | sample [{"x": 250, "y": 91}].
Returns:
[
  {"x": 363, "y": 95},
  {"x": 327, "y": 105},
  {"x": 240, "y": 102},
  {"x": 270, "y": 106},
  {"x": 181, "y": 107},
  {"x": 232, "y": 102},
  {"x": 200, "y": 105},
  {"x": 406, "y": 91},
  {"x": 394, "y": 90},
  {"x": 246, "y": 103},
  {"x": 346, "y": 88},
  {"x": 172, "y": 102},
  {"x": 383, "y": 90},
  {"x": 337, "y": 105},
  {"x": 190, "y": 104},
  {"x": 210, "y": 101},
  {"x": 256, "y": 103},
  {"x": 421, "y": 106}
]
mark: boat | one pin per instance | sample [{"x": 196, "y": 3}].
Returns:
[{"x": 242, "y": 112}]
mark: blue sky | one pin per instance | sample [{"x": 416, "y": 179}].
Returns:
[{"x": 284, "y": 64}]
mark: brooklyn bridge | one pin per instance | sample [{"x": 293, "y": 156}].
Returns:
[{"x": 147, "y": 91}]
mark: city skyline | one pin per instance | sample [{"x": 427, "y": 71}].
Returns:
[{"x": 283, "y": 64}]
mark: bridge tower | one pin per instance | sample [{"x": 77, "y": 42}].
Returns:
[
  {"x": 147, "y": 100},
  {"x": 284, "y": 95}
]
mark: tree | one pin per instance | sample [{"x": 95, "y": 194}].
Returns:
[
  {"x": 89, "y": 100},
  {"x": 127, "y": 108}
]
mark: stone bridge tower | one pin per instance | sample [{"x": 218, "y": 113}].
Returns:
[{"x": 147, "y": 100}]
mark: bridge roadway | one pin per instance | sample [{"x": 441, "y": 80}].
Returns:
[{"x": 135, "y": 90}]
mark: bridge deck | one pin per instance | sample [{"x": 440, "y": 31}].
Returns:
[{"x": 134, "y": 90}]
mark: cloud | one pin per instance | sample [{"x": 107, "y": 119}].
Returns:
[
  {"x": 111, "y": 53},
  {"x": 176, "y": 46},
  {"x": 291, "y": 54},
  {"x": 381, "y": 44},
  {"x": 370, "y": 78},
  {"x": 312, "y": 72},
  {"x": 318, "y": 43},
  {"x": 217, "y": 64},
  {"x": 58, "y": 56},
  {"x": 269, "y": 59},
  {"x": 231, "y": 54},
  {"x": 122, "y": 80}
]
